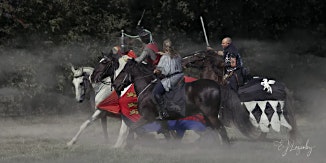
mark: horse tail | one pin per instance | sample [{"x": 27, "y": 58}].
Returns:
[
  {"x": 237, "y": 112},
  {"x": 289, "y": 115}
]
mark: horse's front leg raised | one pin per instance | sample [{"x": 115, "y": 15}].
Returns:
[{"x": 94, "y": 117}]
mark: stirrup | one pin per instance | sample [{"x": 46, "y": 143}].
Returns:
[
  {"x": 162, "y": 115},
  {"x": 159, "y": 117}
]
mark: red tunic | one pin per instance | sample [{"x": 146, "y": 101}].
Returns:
[
  {"x": 131, "y": 54},
  {"x": 153, "y": 46},
  {"x": 110, "y": 104},
  {"x": 128, "y": 104}
]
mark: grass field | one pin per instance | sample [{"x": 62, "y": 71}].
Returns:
[{"x": 42, "y": 139}]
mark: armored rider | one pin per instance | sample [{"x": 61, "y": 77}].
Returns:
[
  {"x": 233, "y": 64},
  {"x": 149, "y": 54}
]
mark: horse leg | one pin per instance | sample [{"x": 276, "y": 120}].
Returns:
[
  {"x": 123, "y": 134},
  {"x": 94, "y": 117},
  {"x": 293, "y": 133},
  {"x": 290, "y": 117},
  {"x": 133, "y": 128},
  {"x": 104, "y": 127},
  {"x": 216, "y": 124},
  {"x": 262, "y": 136},
  {"x": 165, "y": 129}
]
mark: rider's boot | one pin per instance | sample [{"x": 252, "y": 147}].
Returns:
[{"x": 161, "y": 107}]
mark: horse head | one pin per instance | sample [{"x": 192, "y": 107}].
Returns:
[
  {"x": 124, "y": 78},
  {"x": 207, "y": 62},
  {"x": 106, "y": 68},
  {"x": 194, "y": 60},
  {"x": 81, "y": 81}
]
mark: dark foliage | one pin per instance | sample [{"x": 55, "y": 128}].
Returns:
[{"x": 80, "y": 19}]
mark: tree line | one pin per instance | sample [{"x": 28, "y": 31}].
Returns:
[{"x": 76, "y": 20}]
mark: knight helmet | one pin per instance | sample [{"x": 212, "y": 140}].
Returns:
[{"x": 145, "y": 36}]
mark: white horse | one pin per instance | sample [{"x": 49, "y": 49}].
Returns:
[{"x": 102, "y": 90}]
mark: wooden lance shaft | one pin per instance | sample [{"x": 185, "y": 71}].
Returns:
[{"x": 202, "y": 23}]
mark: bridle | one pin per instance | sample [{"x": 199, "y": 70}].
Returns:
[
  {"x": 107, "y": 68},
  {"x": 84, "y": 83},
  {"x": 112, "y": 75}
]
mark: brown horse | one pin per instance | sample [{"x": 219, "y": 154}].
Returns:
[{"x": 211, "y": 66}]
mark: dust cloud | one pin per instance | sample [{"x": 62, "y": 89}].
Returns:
[{"x": 288, "y": 61}]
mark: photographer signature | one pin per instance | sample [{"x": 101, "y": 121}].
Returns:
[{"x": 289, "y": 146}]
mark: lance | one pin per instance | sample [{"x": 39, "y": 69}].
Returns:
[
  {"x": 142, "y": 15},
  {"x": 202, "y": 24}
]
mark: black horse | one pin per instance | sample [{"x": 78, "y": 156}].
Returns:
[
  {"x": 211, "y": 66},
  {"x": 202, "y": 96}
]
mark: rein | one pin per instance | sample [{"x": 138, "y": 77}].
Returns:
[
  {"x": 152, "y": 82},
  {"x": 202, "y": 59},
  {"x": 111, "y": 77},
  {"x": 194, "y": 57},
  {"x": 193, "y": 54},
  {"x": 106, "y": 69},
  {"x": 106, "y": 83},
  {"x": 142, "y": 77}
]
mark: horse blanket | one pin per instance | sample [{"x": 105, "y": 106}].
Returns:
[{"x": 265, "y": 99}]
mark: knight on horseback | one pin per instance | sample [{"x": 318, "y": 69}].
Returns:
[
  {"x": 149, "y": 54},
  {"x": 169, "y": 69},
  {"x": 234, "y": 71}
]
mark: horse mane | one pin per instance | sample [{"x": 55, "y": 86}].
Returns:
[
  {"x": 146, "y": 68},
  {"x": 83, "y": 70},
  {"x": 205, "y": 59},
  {"x": 107, "y": 67},
  {"x": 217, "y": 63}
]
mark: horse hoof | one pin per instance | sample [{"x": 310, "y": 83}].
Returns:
[
  {"x": 117, "y": 147},
  {"x": 69, "y": 144},
  {"x": 262, "y": 136}
]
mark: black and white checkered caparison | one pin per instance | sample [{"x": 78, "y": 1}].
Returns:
[{"x": 266, "y": 114}]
